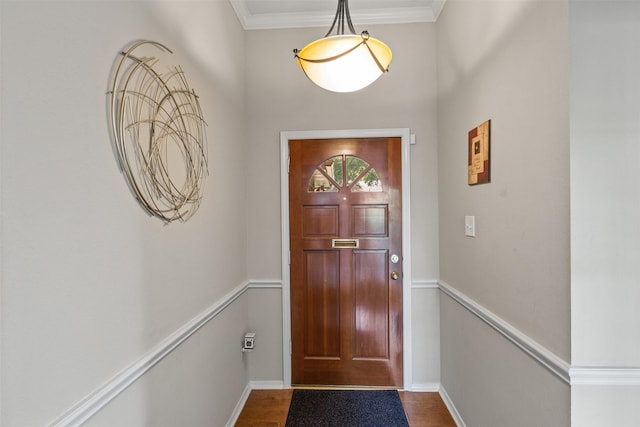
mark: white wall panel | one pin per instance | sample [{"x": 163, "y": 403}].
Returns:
[
  {"x": 605, "y": 137},
  {"x": 605, "y": 207}
]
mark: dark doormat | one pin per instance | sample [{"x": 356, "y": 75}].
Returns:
[{"x": 346, "y": 408}]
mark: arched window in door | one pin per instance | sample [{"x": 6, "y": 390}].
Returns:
[{"x": 344, "y": 173}]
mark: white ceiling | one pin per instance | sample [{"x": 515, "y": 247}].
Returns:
[{"x": 271, "y": 14}]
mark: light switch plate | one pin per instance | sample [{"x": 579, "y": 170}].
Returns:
[{"x": 470, "y": 226}]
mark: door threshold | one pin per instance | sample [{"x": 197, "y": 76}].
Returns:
[{"x": 343, "y": 387}]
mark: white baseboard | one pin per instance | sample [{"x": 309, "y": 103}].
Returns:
[
  {"x": 239, "y": 406},
  {"x": 251, "y": 385},
  {"x": 267, "y": 385},
  {"x": 451, "y": 407},
  {"x": 425, "y": 387}
]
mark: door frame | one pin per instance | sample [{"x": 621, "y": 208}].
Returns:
[{"x": 405, "y": 135}]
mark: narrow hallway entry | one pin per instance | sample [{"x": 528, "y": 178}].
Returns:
[{"x": 269, "y": 408}]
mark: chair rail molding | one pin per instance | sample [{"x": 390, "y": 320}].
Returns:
[
  {"x": 425, "y": 284},
  {"x": 604, "y": 376},
  {"x": 98, "y": 399},
  {"x": 537, "y": 351}
]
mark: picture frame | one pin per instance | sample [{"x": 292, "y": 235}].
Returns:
[{"x": 479, "y": 162}]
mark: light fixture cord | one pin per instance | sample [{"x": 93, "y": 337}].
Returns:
[{"x": 341, "y": 14}]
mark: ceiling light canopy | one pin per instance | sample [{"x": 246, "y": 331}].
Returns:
[{"x": 344, "y": 62}]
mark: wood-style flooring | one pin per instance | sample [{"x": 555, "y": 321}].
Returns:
[{"x": 269, "y": 408}]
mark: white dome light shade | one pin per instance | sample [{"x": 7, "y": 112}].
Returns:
[{"x": 344, "y": 63}]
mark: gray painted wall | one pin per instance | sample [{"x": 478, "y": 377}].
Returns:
[
  {"x": 281, "y": 98},
  {"x": 507, "y": 62},
  {"x": 90, "y": 283}
]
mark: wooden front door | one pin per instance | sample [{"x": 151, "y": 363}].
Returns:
[{"x": 345, "y": 213}]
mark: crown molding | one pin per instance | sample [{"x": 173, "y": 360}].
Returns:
[{"x": 267, "y": 21}]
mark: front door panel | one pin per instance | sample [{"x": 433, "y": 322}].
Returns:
[{"x": 346, "y": 293}]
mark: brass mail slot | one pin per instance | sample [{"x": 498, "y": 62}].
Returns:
[{"x": 345, "y": 243}]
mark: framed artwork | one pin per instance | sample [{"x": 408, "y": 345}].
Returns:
[{"x": 479, "y": 161}]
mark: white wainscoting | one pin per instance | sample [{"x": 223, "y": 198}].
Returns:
[
  {"x": 540, "y": 353},
  {"x": 573, "y": 375},
  {"x": 99, "y": 398}
]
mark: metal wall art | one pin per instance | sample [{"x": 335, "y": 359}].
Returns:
[{"x": 158, "y": 132}]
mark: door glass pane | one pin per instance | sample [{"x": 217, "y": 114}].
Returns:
[
  {"x": 355, "y": 166},
  {"x": 319, "y": 182},
  {"x": 326, "y": 176},
  {"x": 370, "y": 182},
  {"x": 361, "y": 176}
]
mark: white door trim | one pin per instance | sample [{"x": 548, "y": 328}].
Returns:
[{"x": 405, "y": 135}]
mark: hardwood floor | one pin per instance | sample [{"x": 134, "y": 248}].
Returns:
[
  {"x": 269, "y": 408},
  {"x": 426, "y": 410},
  {"x": 265, "y": 408}
]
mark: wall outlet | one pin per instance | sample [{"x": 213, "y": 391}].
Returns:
[{"x": 249, "y": 342}]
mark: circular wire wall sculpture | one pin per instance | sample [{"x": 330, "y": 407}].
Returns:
[{"x": 158, "y": 133}]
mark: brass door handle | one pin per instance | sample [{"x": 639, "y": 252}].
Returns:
[{"x": 395, "y": 275}]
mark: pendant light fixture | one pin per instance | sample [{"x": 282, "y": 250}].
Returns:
[{"x": 344, "y": 62}]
